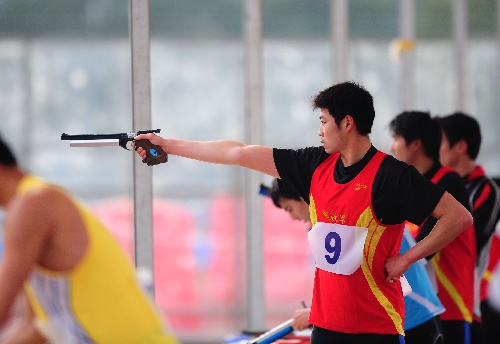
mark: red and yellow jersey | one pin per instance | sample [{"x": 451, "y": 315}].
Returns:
[
  {"x": 350, "y": 246},
  {"x": 454, "y": 268}
]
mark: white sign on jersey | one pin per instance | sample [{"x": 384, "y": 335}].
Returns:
[{"x": 337, "y": 248}]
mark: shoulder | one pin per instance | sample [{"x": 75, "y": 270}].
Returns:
[
  {"x": 455, "y": 185},
  {"x": 296, "y": 167},
  {"x": 395, "y": 176},
  {"x": 308, "y": 152},
  {"x": 35, "y": 206},
  {"x": 451, "y": 178},
  {"x": 308, "y": 158},
  {"x": 392, "y": 167},
  {"x": 41, "y": 195}
]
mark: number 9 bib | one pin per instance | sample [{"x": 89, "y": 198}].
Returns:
[{"x": 337, "y": 248}]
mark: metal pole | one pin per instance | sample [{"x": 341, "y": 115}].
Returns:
[
  {"x": 407, "y": 67},
  {"x": 497, "y": 79},
  {"x": 460, "y": 30},
  {"x": 339, "y": 19},
  {"x": 253, "y": 133},
  {"x": 28, "y": 104},
  {"x": 141, "y": 108},
  {"x": 498, "y": 52}
]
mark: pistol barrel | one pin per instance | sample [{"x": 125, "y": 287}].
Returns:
[{"x": 94, "y": 143}]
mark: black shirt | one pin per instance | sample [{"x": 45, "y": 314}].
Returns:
[
  {"x": 451, "y": 182},
  {"x": 399, "y": 192}
]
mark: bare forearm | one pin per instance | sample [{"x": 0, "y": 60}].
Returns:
[
  {"x": 225, "y": 152},
  {"x": 453, "y": 219},
  {"x": 217, "y": 152},
  {"x": 447, "y": 228}
]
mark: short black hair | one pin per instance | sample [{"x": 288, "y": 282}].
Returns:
[
  {"x": 418, "y": 125},
  {"x": 461, "y": 126},
  {"x": 348, "y": 98},
  {"x": 277, "y": 192},
  {"x": 7, "y": 157}
]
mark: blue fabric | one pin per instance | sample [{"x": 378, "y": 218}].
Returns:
[
  {"x": 422, "y": 303},
  {"x": 467, "y": 333}
]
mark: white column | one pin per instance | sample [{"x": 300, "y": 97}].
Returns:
[
  {"x": 339, "y": 25},
  {"x": 460, "y": 31},
  {"x": 407, "y": 56},
  {"x": 141, "y": 113},
  {"x": 253, "y": 134}
]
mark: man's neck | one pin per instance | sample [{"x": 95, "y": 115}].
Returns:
[
  {"x": 355, "y": 151},
  {"x": 464, "y": 167},
  {"x": 423, "y": 164}
]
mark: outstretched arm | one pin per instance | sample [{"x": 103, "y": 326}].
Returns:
[
  {"x": 255, "y": 157},
  {"x": 453, "y": 218}
]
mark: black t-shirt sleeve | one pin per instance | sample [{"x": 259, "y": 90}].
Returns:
[
  {"x": 401, "y": 193},
  {"x": 455, "y": 186},
  {"x": 296, "y": 167}
]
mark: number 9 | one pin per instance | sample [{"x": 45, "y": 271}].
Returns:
[{"x": 335, "y": 249}]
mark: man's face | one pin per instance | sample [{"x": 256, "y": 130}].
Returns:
[
  {"x": 401, "y": 150},
  {"x": 298, "y": 210},
  {"x": 448, "y": 155},
  {"x": 331, "y": 135}
]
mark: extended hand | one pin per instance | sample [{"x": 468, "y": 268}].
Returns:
[{"x": 156, "y": 142}]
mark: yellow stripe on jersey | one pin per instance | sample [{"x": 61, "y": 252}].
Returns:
[
  {"x": 312, "y": 211},
  {"x": 375, "y": 232},
  {"x": 450, "y": 288}
]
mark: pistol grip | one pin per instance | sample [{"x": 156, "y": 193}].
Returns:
[{"x": 154, "y": 154}]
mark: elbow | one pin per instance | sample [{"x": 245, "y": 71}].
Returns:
[{"x": 467, "y": 219}]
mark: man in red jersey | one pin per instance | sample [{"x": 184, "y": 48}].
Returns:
[
  {"x": 360, "y": 199},
  {"x": 459, "y": 150},
  {"x": 416, "y": 141}
]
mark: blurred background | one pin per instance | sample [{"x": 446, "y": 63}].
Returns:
[{"x": 65, "y": 66}]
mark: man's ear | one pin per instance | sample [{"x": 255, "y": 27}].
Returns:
[
  {"x": 417, "y": 143},
  {"x": 349, "y": 121},
  {"x": 462, "y": 146}
]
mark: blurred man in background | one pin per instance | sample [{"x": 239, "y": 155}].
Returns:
[
  {"x": 460, "y": 147},
  {"x": 298, "y": 210},
  {"x": 416, "y": 139},
  {"x": 81, "y": 285}
]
